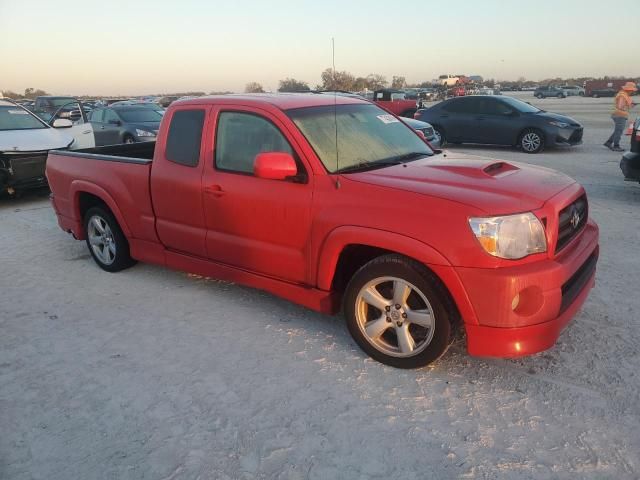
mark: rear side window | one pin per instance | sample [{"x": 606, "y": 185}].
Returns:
[
  {"x": 241, "y": 137},
  {"x": 460, "y": 105},
  {"x": 185, "y": 136}
]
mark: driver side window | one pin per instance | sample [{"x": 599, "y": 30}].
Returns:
[{"x": 241, "y": 137}]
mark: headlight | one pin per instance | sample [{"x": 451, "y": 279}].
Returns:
[
  {"x": 559, "y": 124},
  {"x": 511, "y": 236},
  {"x": 144, "y": 133}
]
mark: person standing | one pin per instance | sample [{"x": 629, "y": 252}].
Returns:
[{"x": 620, "y": 115}]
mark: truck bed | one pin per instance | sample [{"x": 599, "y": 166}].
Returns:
[{"x": 118, "y": 174}]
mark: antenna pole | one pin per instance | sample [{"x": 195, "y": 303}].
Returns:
[{"x": 335, "y": 102}]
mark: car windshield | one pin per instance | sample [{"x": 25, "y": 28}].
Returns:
[
  {"x": 520, "y": 106},
  {"x": 15, "y": 118},
  {"x": 366, "y": 136},
  {"x": 139, "y": 114}
]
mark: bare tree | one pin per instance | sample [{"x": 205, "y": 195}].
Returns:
[
  {"x": 338, "y": 81},
  {"x": 398, "y": 82},
  {"x": 253, "y": 87},
  {"x": 293, "y": 85},
  {"x": 376, "y": 81}
]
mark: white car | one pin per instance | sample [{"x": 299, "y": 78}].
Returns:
[{"x": 24, "y": 143}]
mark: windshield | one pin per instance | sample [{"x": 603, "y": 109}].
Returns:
[
  {"x": 139, "y": 114},
  {"x": 366, "y": 135},
  {"x": 520, "y": 106},
  {"x": 15, "y": 118}
]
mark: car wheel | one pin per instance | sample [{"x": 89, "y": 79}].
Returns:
[
  {"x": 581, "y": 94},
  {"x": 539, "y": 96},
  {"x": 439, "y": 133},
  {"x": 531, "y": 141},
  {"x": 107, "y": 244},
  {"x": 595, "y": 95},
  {"x": 129, "y": 139},
  {"x": 398, "y": 312}
]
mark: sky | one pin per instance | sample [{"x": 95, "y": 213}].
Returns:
[{"x": 137, "y": 47}]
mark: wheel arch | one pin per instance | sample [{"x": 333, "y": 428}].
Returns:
[
  {"x": 349, "y": 247},
  {"x": 86, "y": 195}
]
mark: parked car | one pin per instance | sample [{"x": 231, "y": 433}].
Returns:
[
  {"x": 46, "y": 106},
  {"x": 410, "y": 244},
  {"x": 395, "y": 101},
  {"x": 24, "y": 141},
  {"x": 427, "y": 130},
  {"x": 549, "y": 91},
  {"x": 630, "y": 162},
  {"x": 603, "y": 88},
  {"x": 603, "y": 92},
  {"x": 125, "y": 124},
  {"x": 573, "y": 90},
  {"x": 500, "y": 120},
  {"x": 167, "y": 100},
  {"x": 81, "y": 129}
]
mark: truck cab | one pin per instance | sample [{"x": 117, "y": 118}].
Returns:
[{"x": 395, "y": 101}]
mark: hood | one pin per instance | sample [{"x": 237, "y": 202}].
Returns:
[
  {"x": 494, "y": 186},
  {"x": 33, "y": 140},
  {"x": 558, "y": 117}
]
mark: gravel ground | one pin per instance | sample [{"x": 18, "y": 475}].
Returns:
[{"x": 157, "y": 374}]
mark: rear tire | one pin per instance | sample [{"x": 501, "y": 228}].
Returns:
[
  {"x": 398, "y": 312},
  {"x": 531, "y": 141},
  {"x": 106, "y": 242}
]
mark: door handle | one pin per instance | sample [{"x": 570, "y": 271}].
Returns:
[{"x": 215, "y": 190}]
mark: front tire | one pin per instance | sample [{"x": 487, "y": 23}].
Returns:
[
  {"x": 107, "y": 244},
  {"x": 129, "y": 139},
  {"x": 439, "y": 133},
  {"x": 398, "y": 312},
  {"x": 531, "y": 141}
]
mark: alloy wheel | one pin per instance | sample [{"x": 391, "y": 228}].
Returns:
[
  {"x": 394, "y": 316},
  {"x": 101, "y": 240},
  {"x": 531, "y": 142}
]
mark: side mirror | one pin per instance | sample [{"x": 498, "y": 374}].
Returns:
[
  {"x": 275, "y": 166},
  {"x": 62, "y": 123}
]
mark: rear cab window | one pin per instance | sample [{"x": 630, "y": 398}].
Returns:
[{"x": 185, "y": 137}]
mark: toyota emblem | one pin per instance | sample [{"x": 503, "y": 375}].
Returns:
[{"x": 575, "y": 219}]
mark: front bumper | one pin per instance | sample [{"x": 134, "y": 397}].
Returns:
[
  {"x": 565, "y": 136},
  {"x": 521, "y": 310}
]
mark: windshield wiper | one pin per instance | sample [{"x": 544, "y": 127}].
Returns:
[
  {"x": 387, "y": 162},
  {"x": 362, "y": 166},
  {"x": 407, "y": 157}
]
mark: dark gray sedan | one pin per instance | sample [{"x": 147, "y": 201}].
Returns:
[
  {"x": 125, "y": 124},
  {"x": 500, "y": 121}
]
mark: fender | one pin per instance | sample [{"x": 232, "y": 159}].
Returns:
[
  {"x": 81, "y": 186},
  {"x": 340, "y": 237}
]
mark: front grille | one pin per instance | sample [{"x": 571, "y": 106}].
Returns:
[
  {"x": 572, "y": 287},
  {"x": 572, "y": 219},
  {"x": 576, "y": 136}
]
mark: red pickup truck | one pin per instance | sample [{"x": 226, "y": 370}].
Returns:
[
  {"x": 396, "y": 102},
  {"x": 342, "y": 205}
]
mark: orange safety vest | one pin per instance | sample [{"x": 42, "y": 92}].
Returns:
[{"x": 622, "y": 104}]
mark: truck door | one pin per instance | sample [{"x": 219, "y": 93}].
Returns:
[
  {"x": 176, "y": 182},
  {"x": 256, "y": 224}
]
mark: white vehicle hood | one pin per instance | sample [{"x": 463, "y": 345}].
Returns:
[{"x": 34, "y": 140}]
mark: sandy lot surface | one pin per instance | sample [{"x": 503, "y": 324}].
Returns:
[{"x": 154, "y": 374}]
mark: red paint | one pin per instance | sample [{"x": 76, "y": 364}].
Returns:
[{"x": 286, "y": 236}]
